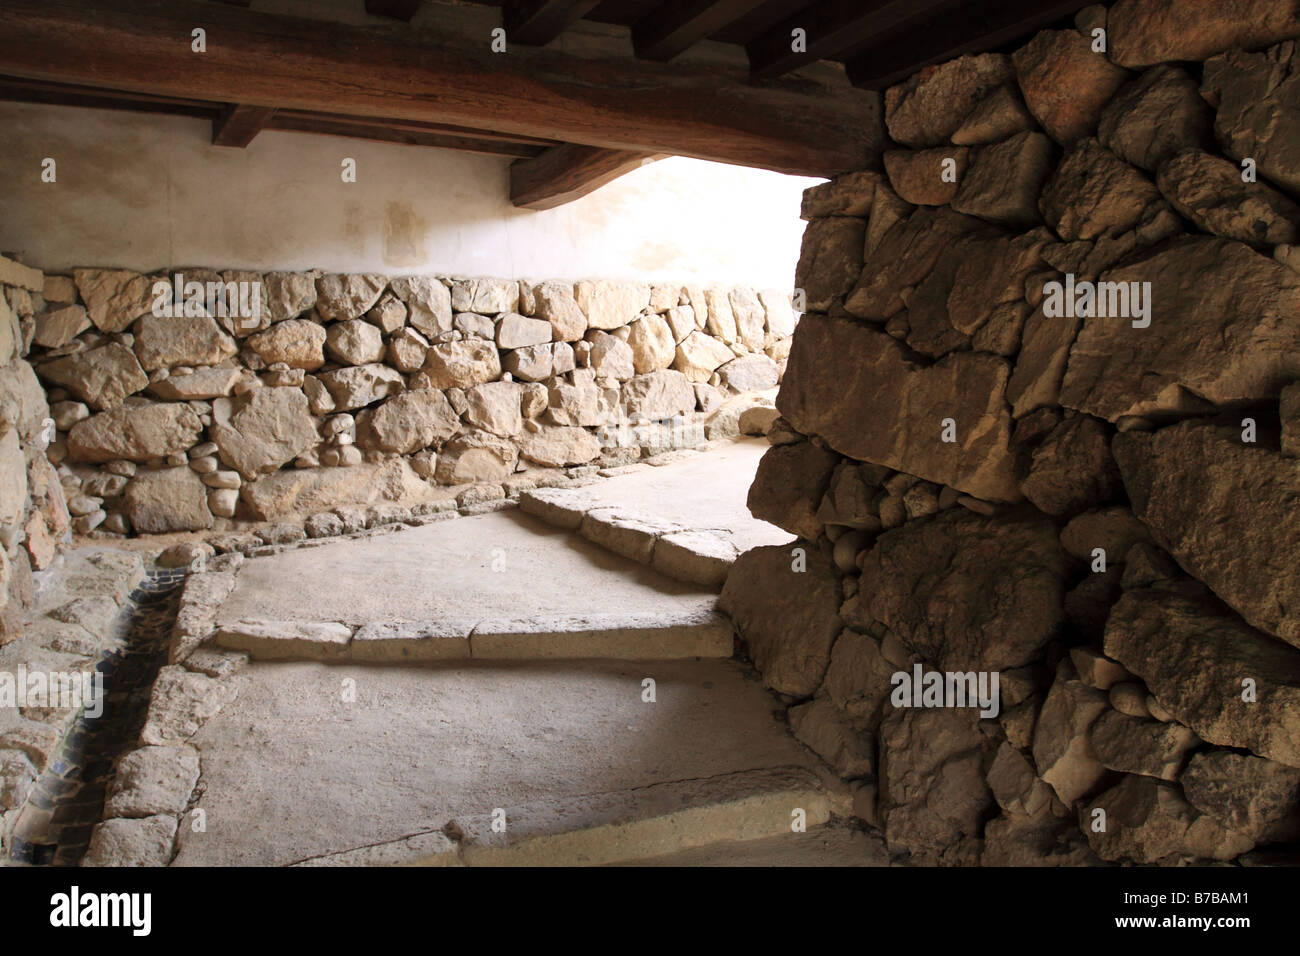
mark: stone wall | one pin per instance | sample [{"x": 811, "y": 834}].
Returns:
[
  {"x": 34, "y": 519},
  {"x": 994, "y": 476},
  {"x": 321, "y": 390}
]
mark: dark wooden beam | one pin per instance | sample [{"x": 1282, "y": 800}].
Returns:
[
  {"x": 412, "y": 126},
  {"x": 19, "y": 90},
  {"x": 538, "y": 22},
  {"x": 834, "y": 27},
  {"x": 565, "y": 173},
  {"x": 397, "y": 9},
  {"x": 972, "y": 28},
  {"x": 679, "y": 24},
  {"x": 299, "y": 123},
  {"x": 441, "y": 76},
  {"x": 238, "y": 124}
]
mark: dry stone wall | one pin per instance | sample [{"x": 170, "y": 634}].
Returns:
[
  {"x": 191, "y": 400},
  {"x": 1040, "y": 437},
  {"x": 34, "y": 518}
]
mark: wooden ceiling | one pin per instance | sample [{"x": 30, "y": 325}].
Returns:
[{"x": 422, "y": 73}]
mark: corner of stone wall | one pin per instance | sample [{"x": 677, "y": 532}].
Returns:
[{"x": 1040, "y": 425}]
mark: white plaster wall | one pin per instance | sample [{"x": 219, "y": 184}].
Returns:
[{"x": 144, "y": 192}]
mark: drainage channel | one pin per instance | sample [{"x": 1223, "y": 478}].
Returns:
[{"x": 67, "y": 800}]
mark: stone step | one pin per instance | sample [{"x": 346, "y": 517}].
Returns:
[
  {"x": 673, "y": 635},
  {"x": 586, "y": 761},
  {"x": 497, "y": 586},
  {"x": 693, "y": 556},
  {"x": 625, "y": 827}
]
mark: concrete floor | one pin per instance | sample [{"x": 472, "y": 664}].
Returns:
[{"x": 292, "y": 772}]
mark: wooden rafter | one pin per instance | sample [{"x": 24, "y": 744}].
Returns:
[
  {"x": 679, "y": 24},
  {"x": 565, "y": 173},
  {"x": 435, "y": 76},
  {"x": 538, "y": 22},
  {"x": 238, "y": 124}
]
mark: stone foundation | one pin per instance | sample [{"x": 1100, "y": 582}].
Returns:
[
  {"x": 994, "y": 477},
  {"x": 192, "y": 400}
]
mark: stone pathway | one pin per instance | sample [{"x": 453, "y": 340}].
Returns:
[
  {"x": 687, "y": 518},
  {"x": 339, "y": 764},
  {"x": 487, "y": 690}
]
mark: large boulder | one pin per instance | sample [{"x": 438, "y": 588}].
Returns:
[
  {"x": 830, "y": 260},
  {"x": 698, "y": 355},
  {"x": 555, "y": 304},
  {"x": 134, "y": 433},
  {"x": 784, "y": 601},
  {"x": 428, "y": 303},
  {"x": 933, "y": 795},
  {"x": 789, "y": 485},
  {"x": 164, "y": 341},
  {"x": 1220, "y": 327},
  {"x": 1066, "y": 85},
  {"x": 1231, "y": 521},
  {"x": 114, "y": 298},
  {"x": 611, "y": 305},
  {"x": 463, "y": 364},
  {"x": 288, "y": 294},
  {"x": 652, "y": 343},
  {"x": 966, "y": 591},
  {"x": 100, "y": 377},
  {"x": 1148, "y": 821},
  {"x": 1004, "y": 180},
  {"x": 1143, "y": 32},
  {"x": 299, "y": 343},
  {"x": 262, "y": 429},
  {"x": 354, "y": 342},
  {"x": 1063, "y": 751},
  {"x": 931, "y": 105},
  {"x": 309, "y": 490},
  {"x": 1094, "y": 194},
  {"x": 1257, "y": 100},
  {"x": 476, "y": 456},
  {"x": 359, "y": 385},
  {"x": 859, "y": 390},
  {"x": 1248, "y": 794},
  {"x": 497, "y": 407},
  {"x": 1072, "y": 468},
  {"x": 409, "y": 422},
  {"x": 658, "y": 395},
  {"x": 1209, "y": 191},
  {"x": 1156, "y": 117},
  {"x": 173, "y": 499},
  {"x": 559, "y": 447},
  {"x": 1233, "y": 685},
  {"x": 341, "y": 297},
  {"x": 750, "y": 373}
]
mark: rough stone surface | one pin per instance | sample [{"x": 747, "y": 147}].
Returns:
[
  {"x": 838, "y": 368},
  {"x": 1193, "y": 653},
  {"x": 965, "y": 591},
  {"x": 1230, "y": 523},
  {"x": 173, "y": 499},
  {"x": 788, "y": 617},
  {"x": 261, "y": 430},
  {"x": 1065, "y": 84},
  {"x": 134, "y": 433},
  {"x": 1218, "y": 330}
]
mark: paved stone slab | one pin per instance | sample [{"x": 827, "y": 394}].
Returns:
[
  {"x": 496, "y": 585},
  {"x": 294, "y": 772}
]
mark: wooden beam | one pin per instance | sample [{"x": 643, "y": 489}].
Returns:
[
  {"x": 565, "y": 173},
  {"x": 832, "y": 28},
  {"x": 238, "y": 124},
  {"x": 409, "y": 137},
  {"x": 439, "y": 76},
  {"x": 973, "y": 28},
  {"x": 538, "y": 22},
  {"x": 18, "y": 90},
  {"x": 397, "y": 9},
  {"x": 679, "y": 24},
  {"x": 412, "y": 126}
]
